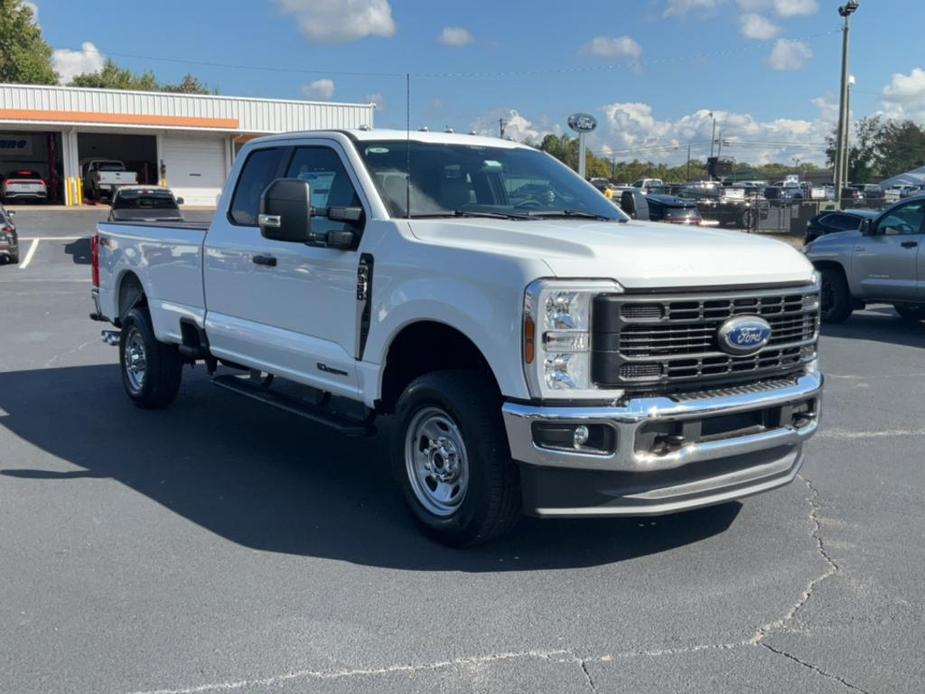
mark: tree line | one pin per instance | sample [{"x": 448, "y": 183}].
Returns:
[
  {"x": 881, "y": 148},
  {"x": 25, "y": 58}
]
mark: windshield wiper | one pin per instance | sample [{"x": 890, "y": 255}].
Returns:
[
  {"x": 572, "y": 213},
  {"x": 472, "y": 213}
]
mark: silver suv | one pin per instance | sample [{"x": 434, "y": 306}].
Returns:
[{"x": 882, "y": 262}]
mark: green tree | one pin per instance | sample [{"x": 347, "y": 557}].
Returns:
[
  {"x": 25, "y": 58},
  {"x": 902, "y": 148},
  {"x": 189, "y": 85},
  {"x": 114, "y": 77}
]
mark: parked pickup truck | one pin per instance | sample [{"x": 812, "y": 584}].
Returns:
[
  {"x": 102, "y": 177},
  {"x": 538, "y": 351},
  {"x": 881, "y": 262}
]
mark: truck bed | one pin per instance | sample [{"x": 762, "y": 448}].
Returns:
[{"x": 167, "y": 256}]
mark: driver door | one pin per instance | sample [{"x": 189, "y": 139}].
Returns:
[{"x": 885, "y": 261}]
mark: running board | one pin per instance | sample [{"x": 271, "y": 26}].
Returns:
[{"x": 243, "y": 385}]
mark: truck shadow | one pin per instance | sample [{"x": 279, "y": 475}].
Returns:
[
  {"x": 272, "y": 481},
  {"x": 79, "y": 251},
  {"x": 878, "y": 324}
]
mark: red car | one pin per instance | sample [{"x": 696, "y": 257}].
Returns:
[{"x": 24, "y": 185}]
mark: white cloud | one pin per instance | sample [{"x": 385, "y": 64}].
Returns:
[
  {"x": 319, "y": 89},
  {"x": 632, "y": 131},
  {"x": 378, "y": 99},
  {"x": 904, "y": 96},
  {"x": 789, "y": 54},
  {"x": 516, "y": 126},
  {"x": 679, "y": 8},
  {"x": 455, "y": 37},
  {"x": 68, "y": 64},
  {"x": 613, "y": 47},
  {"x": 783, "y": 8},
  {"x": 339, "y": 21},
  {"x": 755, "y": 26}
]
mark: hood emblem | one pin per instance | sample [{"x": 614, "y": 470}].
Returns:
[{"x": 744, "y": 335}]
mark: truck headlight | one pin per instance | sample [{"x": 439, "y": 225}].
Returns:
[{"x": 557, "y": 337}]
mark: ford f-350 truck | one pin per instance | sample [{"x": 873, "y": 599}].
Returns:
[{"x": 538, "y": 352}]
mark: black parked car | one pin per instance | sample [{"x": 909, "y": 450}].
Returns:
[
  {"x": 673, "y": 210},
  {"x": 9, "y": 241},
  {"x": 831, "y": 221}
]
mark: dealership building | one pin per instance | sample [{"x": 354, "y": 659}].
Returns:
[{"x": 185, "y": 141}]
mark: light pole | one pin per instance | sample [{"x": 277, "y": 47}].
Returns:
[
  {"x": 713, "y": 136},
  {"x": 841, "y": 155}
]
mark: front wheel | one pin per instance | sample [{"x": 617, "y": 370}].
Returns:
[
  {"x": 836, "y": 297},
  {"x": 151, "y": 370},
  {"x": 451, "y": 459},
  {"x": 912, "y": 313}
]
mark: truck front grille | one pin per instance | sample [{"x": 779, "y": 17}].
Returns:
[{"x": 641, "y": 341}]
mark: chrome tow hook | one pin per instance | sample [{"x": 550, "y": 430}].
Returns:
[{"x": 110, "y": 337}]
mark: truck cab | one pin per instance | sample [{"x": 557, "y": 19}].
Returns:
[{"x": 537, "y": 351}]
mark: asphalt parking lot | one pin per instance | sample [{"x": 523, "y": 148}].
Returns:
[{"x": 222, "y": 546}]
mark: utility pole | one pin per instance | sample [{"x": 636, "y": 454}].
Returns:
[
  {"x": 713, "y": 136},
  {"x": 501, "y": 125},
  {"x": 841, "y": 155},
  {"x": 688, "y": 162}
]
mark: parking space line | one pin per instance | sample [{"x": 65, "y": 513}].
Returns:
[
  {"x": 52, "y": 238},
  {"x": 31, "y": 252}
]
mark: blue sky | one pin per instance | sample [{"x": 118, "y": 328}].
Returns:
[{"x": 650, "y": 70}]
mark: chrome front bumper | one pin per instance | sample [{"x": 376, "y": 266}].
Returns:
[{"x": 695, "y": 471}]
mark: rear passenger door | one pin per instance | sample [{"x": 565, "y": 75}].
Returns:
[
  {"x": 294, "y": 316},
  {"x": 885, "y": 263}
]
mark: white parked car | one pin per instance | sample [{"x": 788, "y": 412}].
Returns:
[{"x": 539, "y": 352}]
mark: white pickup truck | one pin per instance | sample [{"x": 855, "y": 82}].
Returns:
[
  {"x": 102, "y": 177},
  {"x": 538, "y": 351}
]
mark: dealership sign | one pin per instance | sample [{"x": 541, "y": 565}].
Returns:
[
  {"x": 15, "y": 145},
  {"x": 582, "y": 122}
]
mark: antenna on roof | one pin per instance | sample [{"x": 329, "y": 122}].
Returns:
[{"x": 408, "y": 144}]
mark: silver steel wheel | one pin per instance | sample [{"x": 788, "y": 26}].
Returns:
[
  {"x": 436, "y": 461},
  {"x": 135, "y": 360}
]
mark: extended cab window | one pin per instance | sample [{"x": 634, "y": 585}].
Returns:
[
  {"x": 259, "y": 171},
  {"x": 330, "y": 184}
]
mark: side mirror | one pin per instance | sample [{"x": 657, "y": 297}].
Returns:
[
  {"x": 180, "y": 201},
  {"x": 867, "y": 228},
  {"x": 285, "y": 211},
  {"x": 12, "y": 213}
]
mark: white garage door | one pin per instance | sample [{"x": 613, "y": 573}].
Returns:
[{"x": 195, "y": 167}]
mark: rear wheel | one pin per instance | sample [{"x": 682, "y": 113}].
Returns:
[
  {"x": 910, "y": 312},
  {"x": 836, "y": 297},
  {"x": 451, "y": 459},
  {"x": 745, "y": 222},
  {"x": 151, "y": 370}
]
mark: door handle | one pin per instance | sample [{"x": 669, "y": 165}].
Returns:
[
  {"x": 267, "y": 260},
  {"x": 909, "y": 244}
]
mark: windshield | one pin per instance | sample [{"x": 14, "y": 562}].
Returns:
[
  {"x": 111, "y": 166},
  {"x": 452, "y": 180},
  {"x": 144, "y": 200}
]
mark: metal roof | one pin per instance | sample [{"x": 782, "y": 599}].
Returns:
[{"x": 98, "y": 108}]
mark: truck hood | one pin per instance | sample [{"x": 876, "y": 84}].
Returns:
[{"x": 638, "y": 255}]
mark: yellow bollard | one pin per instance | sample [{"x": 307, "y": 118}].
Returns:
[
  {"x": 67, "y": 191},
  {"x": 80, "y": 190}
]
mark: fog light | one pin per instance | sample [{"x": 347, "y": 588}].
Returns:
[{"x": 581, "y": 436}]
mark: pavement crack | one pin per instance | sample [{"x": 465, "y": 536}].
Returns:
[
  {"x": 819, "y": 671},
  {"x": 583, "y": 664},
  {"x": 831, "y": 569}
]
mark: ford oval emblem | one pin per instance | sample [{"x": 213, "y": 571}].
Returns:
[{"x": 744, "y": 335}]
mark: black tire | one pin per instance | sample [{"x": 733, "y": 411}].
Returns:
[
  {"x": 14, "y": 258},
  {"x": 490, "y": 504},
  {"x": 745, "y": 221},
  {"x": 913, "y": 313},
  {"x": 162, "y": 365},
  {"x": 836, "y": 297}
]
